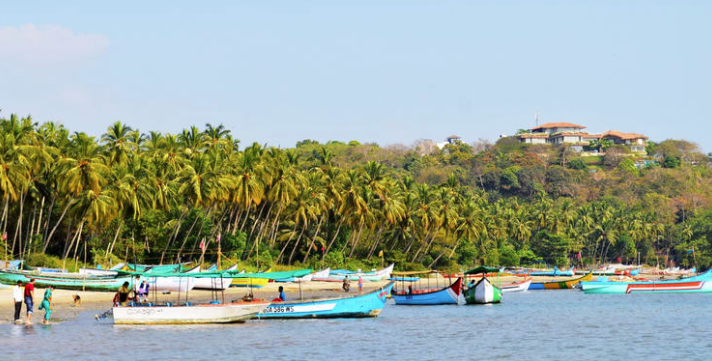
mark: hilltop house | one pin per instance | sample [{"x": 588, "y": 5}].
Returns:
[
  {"x": 572, "y": 135},
  {"x": 453, "y": 139}
]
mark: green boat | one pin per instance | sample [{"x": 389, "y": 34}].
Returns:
[
  {"x": 66, "y": 281},
  {"x": 484, "y": 291}
]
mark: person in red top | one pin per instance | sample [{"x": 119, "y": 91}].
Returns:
[{"x": 29, "y": 298}]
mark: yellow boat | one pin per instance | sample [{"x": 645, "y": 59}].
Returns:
[
  {"x": 251, "y": 282},
  {"x": 560, "y": 285}
]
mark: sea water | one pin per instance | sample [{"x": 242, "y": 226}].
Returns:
[{"x": 536, "y": 325}]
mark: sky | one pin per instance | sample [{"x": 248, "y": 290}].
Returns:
[{"x": 276, "y": 72}]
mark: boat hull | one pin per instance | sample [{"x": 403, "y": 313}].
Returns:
[
  {"x": 367, "y": 305},
  {"x": 447, "y": 296},
  {"x": 211, "y": 283},
  {"x": 517, "y": 287},
  {"x": 696, "y": 284},
  {"x": 483, "y": 292},
  {"x": 560, "y": 285},
  {"x": 199, "y": 314},
  {"x": 249, "y": 282},
  {"x": 90, "y": 283},
  {"x": 171, "y": 284}
]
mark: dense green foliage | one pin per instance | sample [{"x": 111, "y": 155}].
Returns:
[{"x": 156, "y": 197}]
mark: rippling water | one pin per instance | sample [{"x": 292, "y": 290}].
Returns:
[{"x": 539, "y": 325}]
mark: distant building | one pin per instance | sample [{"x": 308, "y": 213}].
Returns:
[
  {"x": 572, "y": 134},
  {"x": 453, "y": 140}
]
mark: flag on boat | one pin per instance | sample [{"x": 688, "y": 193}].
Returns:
[{"x": 202, "y": 244}]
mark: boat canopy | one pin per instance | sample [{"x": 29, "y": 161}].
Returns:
[
  {"x": 482, "y": 269},
  {"x": 223, "y": 274}
]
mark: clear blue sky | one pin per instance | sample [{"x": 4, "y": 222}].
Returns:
[{"x": 277, "y": 72}]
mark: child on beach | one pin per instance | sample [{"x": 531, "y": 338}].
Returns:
[{"x": 46, "y": 305}]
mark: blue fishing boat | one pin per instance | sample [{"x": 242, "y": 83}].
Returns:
[
  {"x": 449, "y": 295},
  {"x": 367, "y": 305},
  {"x": 697, "y": 284}
]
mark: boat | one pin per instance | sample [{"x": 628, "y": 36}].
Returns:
[
  {"x": 449, "y": 295},
  {"x": 522, "y": 286},
  {"x": 483, "y": 291},
  {"x": 556, "y": 272},
  {"x": 216, "y": 283},
  {"x": 101, "y": 272},
  {"x": 66, "y": 281},
  {"x": 156, "y": 268},
  {"x": 404, "y": 279},
  {"x": 307, "y": 278},
  {"x": 251, "y": 282},
  {"x": 560, "y": 285},
  {"x": 366, "y": 305},
  {"x": 373, "y": 276},
  {"x": 696, "y": 284},
  {"x": 187, "y": 313}
]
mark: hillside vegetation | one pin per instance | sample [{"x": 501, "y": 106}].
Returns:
[{"x": 155, "y": 198}]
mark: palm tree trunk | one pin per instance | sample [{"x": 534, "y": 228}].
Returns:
[
  {"x": 18, "y": 226},
  {"x": 318, "y": 226},
  {"x": 296, "y": 244},
  {"x": 173, "y": 237},
  {"x": 116, "y": 236},
  {"x": 4, "y": 214},
  {"x": 375, "y": 242},
  {"x": 76, "y": 235},
  {"x": 59, "y": 221},
  {"x": 49, "y": 218},
  {"x": 245, "y": 251},
  {"x": 200, "y": 232},
  {"x": 338, "y": 228},
  {"x": 457, "y": 244},
  {"x": 274, "y": 228},
  {"x": 185, "y": 239},
  {"x": 358, "y": 238},
  {"x": 291, "y": 235},
  {"x": 39, "y": 219}
]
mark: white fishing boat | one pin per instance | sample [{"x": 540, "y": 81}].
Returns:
[
  {"x": 206, "y": 283},
  {"x": 517, "y": 287},
  {"x": 188, "y": 314},
  {"x": 171, "y": 284}
]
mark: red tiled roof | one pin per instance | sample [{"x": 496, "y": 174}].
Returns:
[
  {"x": 559, "y": 125},
  {"x": 530, "y": 135},
  {"x": 621, "y": 135}
]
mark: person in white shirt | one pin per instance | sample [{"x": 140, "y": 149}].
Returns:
[{"x": 17, "y": 297}]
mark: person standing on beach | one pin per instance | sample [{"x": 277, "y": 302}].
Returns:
[
  {"x": 360, "y": 284},
  {"x": 29, "y": 299},
  {"x": 46, "y": 304},
  {"x": 143, "y": 291},
  {"x": 347, "y": 284},
  {"x": 17, "y": 298}
]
